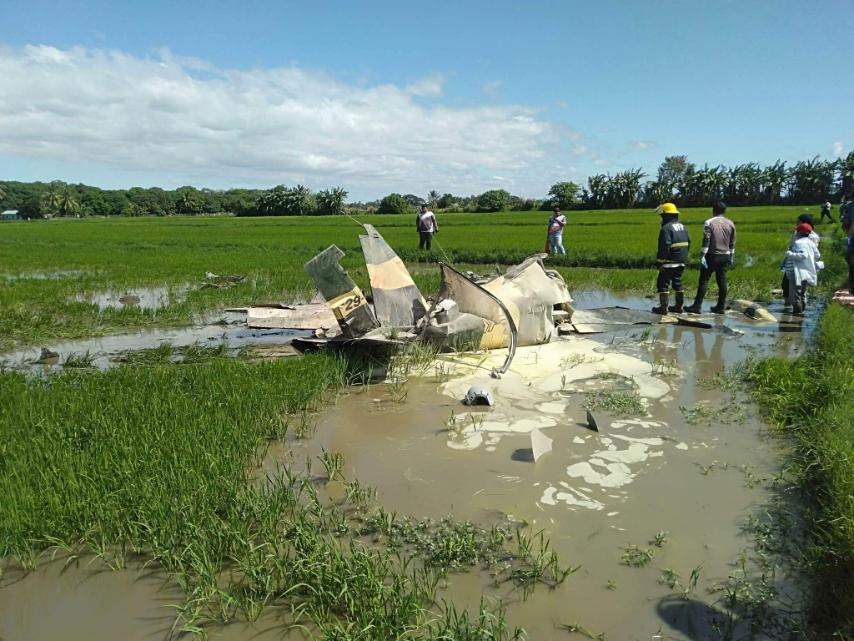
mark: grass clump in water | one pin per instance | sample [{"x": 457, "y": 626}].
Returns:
[{"x": 616, "y": 402}]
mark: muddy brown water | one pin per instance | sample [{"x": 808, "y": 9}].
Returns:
[
  {"x": 229, "y": 329},
  {"x": 592, "y": 495}
]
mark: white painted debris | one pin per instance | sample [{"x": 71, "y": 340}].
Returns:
[
  {"x": 479, "y": 395},
  {"x": 540, "y": 444}
]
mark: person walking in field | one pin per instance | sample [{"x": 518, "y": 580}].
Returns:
[
  {"x": 426, "y": 225},
  {"x": 718, "y": 253},
  {"x": 800, "y": 267},
  {"x": 674, "y": 244},
  {"x": 555, "y": 232},
  {"x": 825, "y": 211}
]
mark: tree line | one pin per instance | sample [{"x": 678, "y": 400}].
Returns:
[{"x": 677, "y": 179}]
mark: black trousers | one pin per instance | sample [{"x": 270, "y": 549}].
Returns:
[
  {"x": 719, "y": 266},
  {"x": 669, "y": 276},
  {"x": 849, "y": 256},
  {"x": 426, "y": 237}
]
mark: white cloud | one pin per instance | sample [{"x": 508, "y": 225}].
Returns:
[
  {"x": 429, "y": 86},
  {"x": 642, "y": 145},
  {"x": 836, "y": 149},
  {"x": 188, "y": 119},
  {"x": 491, "y": 88}
]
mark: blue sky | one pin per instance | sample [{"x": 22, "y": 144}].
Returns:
[{"x": 401, "y": 96}]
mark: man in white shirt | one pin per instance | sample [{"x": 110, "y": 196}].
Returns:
[
  {"x": 555, "y": 233},
  {"x": 425, "y": 223}
]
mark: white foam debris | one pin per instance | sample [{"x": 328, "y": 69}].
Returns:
[
  {"x": 578, "y": 440},
  {"x": 612, "y": 514},
  {"x": 552, "y": 407},
  {"x": 681, "y": 446},
  {"x": 552, "y": 496},
  {"x": 654, "y": 440},
  {"x": 615, "y": 474}
]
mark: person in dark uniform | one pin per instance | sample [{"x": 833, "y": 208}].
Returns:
[{"x": 673, "y": 247}]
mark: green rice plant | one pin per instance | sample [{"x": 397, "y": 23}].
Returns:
[
  {"x": 333, "y": 463},
  {"x": 458, "y": 625},
  {"x": 577, "y": 628},
  {"x": 163, "y": 353},
  {"x": 79, "y": 360},
  {"x": 702, "y": 413},
  {"x": 670, "y": 578},
  {"x": 811, "y": 401},
  {"x": 660, "y": 538},
  {"x": 618, "y": 403},
  {"x": 636, "y": 557}
]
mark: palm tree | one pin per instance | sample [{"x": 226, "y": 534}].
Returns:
[
  {"x": 68, "y": 204},
  {"x": 331, "y": 201},
  {"x": 53, "y": 197},
  {"x": 433, "y": 197}
]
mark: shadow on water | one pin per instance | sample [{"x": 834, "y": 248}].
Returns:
[{"x": 698, "y": 621}]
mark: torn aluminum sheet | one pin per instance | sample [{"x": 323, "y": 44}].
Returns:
[
  {"x": 540, "y": 444},
  {"x": 348, "y": 303},
  {"x": 310, "y": 316},
  {"x": 531, "y": 294},
  {"x": 499, "y": 329},
  {"x": 397, "y": 300}
]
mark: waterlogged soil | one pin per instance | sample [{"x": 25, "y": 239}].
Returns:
[
  {"x": 692, "y": 462},
  {"x": 106, "y": 351},
  {"x": 86, "y": 600},
  {"x": 139, "y": 297}
]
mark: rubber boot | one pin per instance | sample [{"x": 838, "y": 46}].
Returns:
[
  {"x": 662, "y": 304},
  {"x": 694, "y": 309},
  {"x": 680, "y": 300}
]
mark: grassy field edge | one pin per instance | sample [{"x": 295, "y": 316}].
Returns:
[{"x": 812, "y": 399}]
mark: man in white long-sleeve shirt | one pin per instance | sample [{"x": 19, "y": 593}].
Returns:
[{"x": 718, "y": 253}]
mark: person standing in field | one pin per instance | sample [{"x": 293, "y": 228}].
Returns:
[
  {"x": 800, "y": 267},
  {"x": 718, "y": 253},
  {"x": 555, "y": 232},
  {"x": 425, "y": 223},
  {"x": 674, "y": 244},
  {"x": 825, "y": 211}
]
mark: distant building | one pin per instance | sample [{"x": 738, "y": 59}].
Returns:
[{"x": 10, "y": 214}]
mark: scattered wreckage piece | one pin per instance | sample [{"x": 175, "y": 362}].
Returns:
[
  {"x": 348, "y": 303},
  {"x": 215, "y": 281},
  {"x": 482, "y": 316},
  {"x": 540, "y": 444},
  {"x": 397, "y": 299},
  {"x": 478, "y": 395},
  {"x": 752, "y": 310},
  {"x": 605, "y": 319},
  {"x": 693, "y": 322},
  {"x": 315, "y": 316},
  {"x": 844, "y": 297},
  {"x": 531, "y": 294},
  {"x": 591, "y": 422}
]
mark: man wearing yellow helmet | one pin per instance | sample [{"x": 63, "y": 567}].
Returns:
[{"x": 673, "y": 246}]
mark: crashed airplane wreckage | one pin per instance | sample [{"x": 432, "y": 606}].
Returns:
[{"x": 520, "y": 307}]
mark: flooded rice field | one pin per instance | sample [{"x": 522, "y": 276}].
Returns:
[{"x": 653, "y": 509}]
